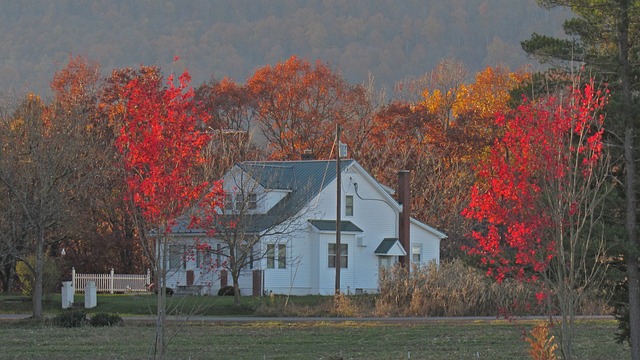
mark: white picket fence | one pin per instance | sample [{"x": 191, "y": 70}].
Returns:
[{"x": 111, "y": 282}]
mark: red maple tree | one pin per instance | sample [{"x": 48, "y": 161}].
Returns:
[
  {"x": 161, "y": 149},
  {"x": 539, "y": 201},
  {"x": 549, "y": 148}
]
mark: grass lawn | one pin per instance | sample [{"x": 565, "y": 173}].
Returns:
[
  {"x": 136, "y": 304},
  {"x": 436, "y": 339},
  {"x": 457, "y": 339}
]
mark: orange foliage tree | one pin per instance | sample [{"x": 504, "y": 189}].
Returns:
[
  {"x": 299, "y": 105},
  {"x": 230, "y": 110},
  {"x": 415, "y": 136}
]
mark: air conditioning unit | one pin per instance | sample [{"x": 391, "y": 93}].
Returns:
[{"x": 361, "y": 240}]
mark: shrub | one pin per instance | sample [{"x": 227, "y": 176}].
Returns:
[
  {"x": 450, "y": 289},
  {"x": 542, "y": 344},
  {"x": 168, "y": 290},
  {"x": 227, "y": 291},
  {"x": 50, "y": 280},
  {"x": 105, "y": 319},
  {"x": 70, "y": 318}
]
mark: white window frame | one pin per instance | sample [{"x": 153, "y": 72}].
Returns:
[
  {"x": 276, "y": 256},
  {"x": 416, "y": 250},
  {"x": 344, "y": 255},
  {"x": 348, "y": 205},
  {"x": 177, "y": 253}
]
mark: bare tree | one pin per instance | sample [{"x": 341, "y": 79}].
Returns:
[
  {"x": 247, "y": 231},
  {"x": 45, "y": 166}
]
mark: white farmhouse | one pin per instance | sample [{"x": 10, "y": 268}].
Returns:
[{"x": 289, "y": 208}]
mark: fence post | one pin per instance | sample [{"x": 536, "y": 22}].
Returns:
[
  {"x": 148, "y": 282},
  {"x": 73, "y": 276},
  {"x": 111, "y": 282}
]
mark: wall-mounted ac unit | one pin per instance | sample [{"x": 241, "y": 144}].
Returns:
[{"x": 361, "y": 240}]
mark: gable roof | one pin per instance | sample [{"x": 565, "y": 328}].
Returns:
[
  {"x": 305, "y": 180},
  {"x": 390, "y": 247}
]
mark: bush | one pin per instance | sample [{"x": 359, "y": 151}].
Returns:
[
  {"x": 50, "y": 280},
  {"x": 105, "y": 319},
  {"x": 227, "y": 291},
  {"x": 70, "y": 318},
  {"x": 450, "y": 289},
  {"x": 168, "y": 290}
]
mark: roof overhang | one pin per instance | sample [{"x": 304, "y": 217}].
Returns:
[
  {"x": 390, "y": 247},
  {"x": 330, "y": 226}
]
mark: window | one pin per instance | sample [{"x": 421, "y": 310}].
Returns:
[
  {"x": 252, "y": 257},
  {"x": 348, "y": 203},
  {"x": 228, "y": 201},
  {"x": 416, "y": 253},
  {"x": 344, "y": 255},
  {"x": 252, "y": 202},
  {"x": 281, "y": 256},
  {"x": 203, "y": 257},
  {"x": 176, "y": 256},
  {"x": 238, "y": 202},
  {"x": 218, "y": 255},
  {"x": 271, "y": 256}
]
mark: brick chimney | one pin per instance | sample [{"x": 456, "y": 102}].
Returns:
[
  {"x": 307, "y": 155},
  {"x": 404, "y": 223}
]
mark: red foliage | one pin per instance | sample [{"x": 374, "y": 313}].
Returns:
[
  {"x": 545, "y": 147},
  {"x": 161, "y": 147}
]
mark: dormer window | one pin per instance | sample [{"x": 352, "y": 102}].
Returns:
[
  {"x": 237, "y": 202},
  {"x": 252, "y": 202}
]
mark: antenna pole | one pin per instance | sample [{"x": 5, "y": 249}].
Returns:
[{"x": 338, "y": 208}]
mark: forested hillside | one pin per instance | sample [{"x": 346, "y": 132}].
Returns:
[{"x": 390, "y": 40}]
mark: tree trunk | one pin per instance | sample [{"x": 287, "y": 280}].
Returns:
[
  {"x": 7, "y": 281},
  {"x": 236, "y": 288},
  {"x": 633, "y": 275},
  {"x": 39, "y": 274},
  {"x": 631, "y": 226},
  {"x": 161, "y": 286}
]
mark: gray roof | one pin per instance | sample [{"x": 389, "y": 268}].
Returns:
[
  {"x": 385, "y": 246},
  {"x": 330, "y": 225},
  {"x": 302, "y": 179},
  {"x": 305, "y": 180}
]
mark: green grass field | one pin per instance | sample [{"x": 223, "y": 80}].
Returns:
[
  {"x": 281, "y": 340},
  {"x": 432, "y": 339}
]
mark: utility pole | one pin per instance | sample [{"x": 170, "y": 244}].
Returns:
[{"x": 338, "y": 208}]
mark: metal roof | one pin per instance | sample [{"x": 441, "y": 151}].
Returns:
[
  {"x": 330, "y": 225},
  {"x": 389, "y": 244},
  {"x": 303, "y": 180}
]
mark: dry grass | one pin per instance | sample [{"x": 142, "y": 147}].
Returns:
[{"x": 456, "y": 289}]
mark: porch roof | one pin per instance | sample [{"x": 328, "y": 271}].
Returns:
[
  {"x": 390, "y": 247},
  {"x": 330, "y": 225}
]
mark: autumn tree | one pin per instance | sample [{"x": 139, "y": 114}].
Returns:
[
  {"x": 603, "y": 37},
  {"x": 538, "y": 200},
  {"x": 122, "y": 219},
  {"x": 44, "y": 169},
  {"x": 441, "y": 87},
  {"x": 230, "y": 124},
  {"x": 162, "y": 148},
  {"x": 298, "y": 106},
  {"x": 411, "y": 135}
]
